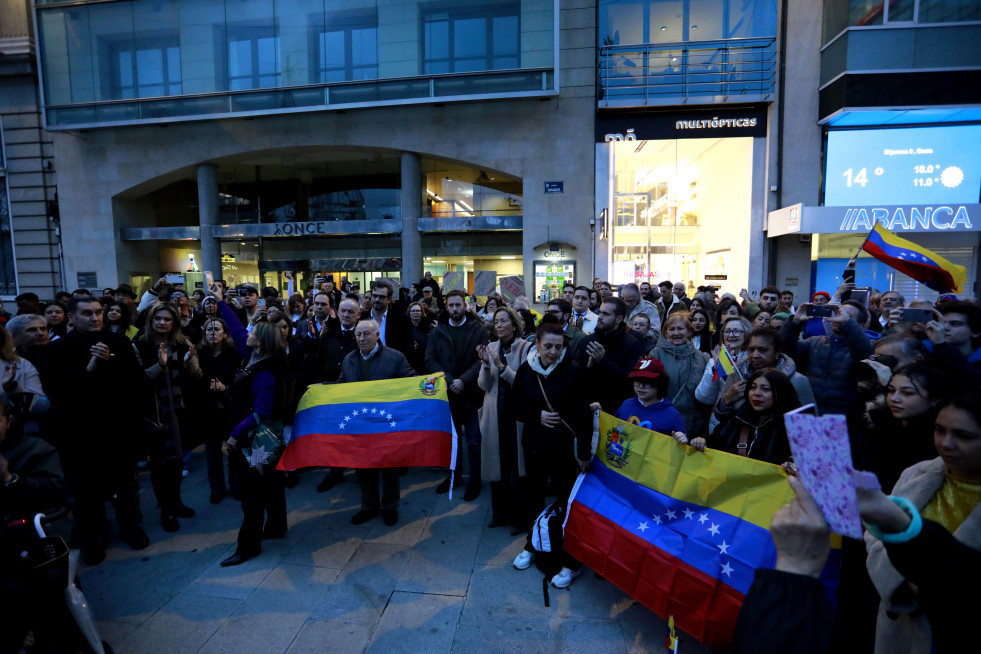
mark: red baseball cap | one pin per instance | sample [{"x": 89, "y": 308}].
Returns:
[{"x": 647, "y": 368}]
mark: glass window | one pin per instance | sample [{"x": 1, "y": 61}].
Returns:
[
  {"x": 949, "y": 11},
  {"x": 253, "y": 58},
  {"x": 349, "y": 48},
  {"x": 471, "y": 38},
  {"x": 681, "y": 210},
  {"x": 153, "y": 68}
]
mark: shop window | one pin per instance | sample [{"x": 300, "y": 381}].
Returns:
[
  {"x": 348, "y": 48},
  {"x": 252, "y": 58},
  {"x": 681, "y": 211},
  {"x": 471, "y": 37}
]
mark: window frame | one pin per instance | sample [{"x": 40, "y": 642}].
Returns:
[{"x": 452, "y": 13}]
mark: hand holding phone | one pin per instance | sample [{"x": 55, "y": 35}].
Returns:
[{"x": 818, "y": 311}]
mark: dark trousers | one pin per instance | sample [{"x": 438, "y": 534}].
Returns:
[
  {"x": 92, "y": 482},
  {"x": 468, "y": 432},
  {"x": 550, "y": 459},
  {"x": 368, "y": 478},
  {"x": 215, "y": 460},
  {"x": 262, "y": 496},
  {"x": 508, "y": 495},
  {"x": 166, "y": 463}
]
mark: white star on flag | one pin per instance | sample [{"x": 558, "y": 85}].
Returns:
[
  {"x": 714, "y": 529},
  {"x": 657, "y": 519},
  {"x": 724, "y": 547},
  {"x": 670, "y": 514},
  {"x": 702, "y": 518},
  {"x": 392, "y": 423},
  {"x": 364, "y": 410},
  {"x": 642, "y": 526},
  {"x": 258, "y": 457},
  {"x": 688, "y": 514},
  {"x": 727, "y": 569},
  {"x": 341, "y": 425}
]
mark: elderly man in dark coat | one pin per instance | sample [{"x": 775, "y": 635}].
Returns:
[{"x": 373, "y": 361}]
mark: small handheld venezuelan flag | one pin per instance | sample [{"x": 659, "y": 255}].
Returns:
[
  {"x": 671, "y": 640},
  {"x": 725, "y": 366}
]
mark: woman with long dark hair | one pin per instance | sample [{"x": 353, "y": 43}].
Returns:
[
  {"x": 756, "y": 430},
  {"x": 550, "y": 399},
  {"x": 119, "y": 320},
  {"x": 420, "y": 324},
  {"x": 258, "y": 398},
  {"x": 171, "y": 367},
  {"x": 56, "y": 315},
  {"x": 219, "y": 362}
]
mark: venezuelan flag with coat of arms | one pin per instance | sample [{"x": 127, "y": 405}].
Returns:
[
  {"x": 917, "y": 262},
  {"x": 680, "y": 531},
  {"x": 390, "y": 423}
]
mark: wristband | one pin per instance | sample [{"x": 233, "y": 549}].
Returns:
[{"x": 911, "y": 532}]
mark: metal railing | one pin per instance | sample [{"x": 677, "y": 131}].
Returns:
[{"x": 710, "y": 71}]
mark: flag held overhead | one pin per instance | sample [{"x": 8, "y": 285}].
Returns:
[{"x": 915, "y": 261}]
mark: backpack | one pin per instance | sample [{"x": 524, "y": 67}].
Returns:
[{"x": 545, "y": 540}]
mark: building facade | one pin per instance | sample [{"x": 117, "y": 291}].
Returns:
[
  {"x": 363, "y": 138},
  {"x": 897, "y": 92},
  {"x": 30, "y": 255}
]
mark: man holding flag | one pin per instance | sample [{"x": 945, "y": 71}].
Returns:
[{"x": 373, "y": 361}]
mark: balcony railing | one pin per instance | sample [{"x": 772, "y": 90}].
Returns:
[{"x": 702, "y": 72}]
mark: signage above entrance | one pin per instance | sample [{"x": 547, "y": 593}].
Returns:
[
  {"x": 910, "y": 219},
  {"x": 725, "y": 122}
]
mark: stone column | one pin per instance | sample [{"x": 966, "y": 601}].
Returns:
[
  {"x": 411, "y": 201},
  {"x": 208, "y": 216}
]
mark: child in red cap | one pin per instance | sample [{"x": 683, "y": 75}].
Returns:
[{"x": 649, "y": 408}]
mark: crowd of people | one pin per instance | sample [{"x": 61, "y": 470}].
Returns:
[{"x": 206, "y": 369}]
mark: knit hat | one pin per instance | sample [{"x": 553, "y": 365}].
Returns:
[{"x": 824, "y": 293}]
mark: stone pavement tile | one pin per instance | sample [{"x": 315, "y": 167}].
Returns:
[
  {"x": 235, "y": 582},
  {"x": 587, "y": 597},
  {"x": 330, "y": 636},
  {"x": 407, "y": 530},
  {"x": 458, "y": 511},
  {"x": 326, "y": 546},
  {"x": 501, "y": 635},
  {"x": 573, "y": 635},
  {"x": 131, "y": 589},
  {"x": 499, "y": 547},
  {"x": 116, "y": 631},
  {"x": 498, "y": 591},
  {"x": 418, "y": 623},
  {"x": 293, "y": 588},
  {"x": 443, "y": 560},
  {"x": 419, "y": 485},
  {"x": 269, "y": 632},
  {"x": 644, "y": 630},
  {"x": 183, "y": 625},
  {"x": 361, "y": 591}
]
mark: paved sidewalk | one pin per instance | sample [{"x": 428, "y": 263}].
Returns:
[{"x": 438, "y": 581}]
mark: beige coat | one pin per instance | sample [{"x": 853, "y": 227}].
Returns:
[
  {"x": 910, "y": 633},
  {"x": 487, "y": 380}
]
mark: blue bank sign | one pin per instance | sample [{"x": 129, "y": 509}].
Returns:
[{"x": 911, "y": 219}]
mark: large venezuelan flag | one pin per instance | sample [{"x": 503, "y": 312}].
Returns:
[
  {"x": 681, "y": 531},
  {"x": 378, "y": 424},
  {"x": 917, "y": 262}
]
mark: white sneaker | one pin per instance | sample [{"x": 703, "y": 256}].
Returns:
[
  {"x": 523, "y": 560},
  {"x": 565, "y": 577}
]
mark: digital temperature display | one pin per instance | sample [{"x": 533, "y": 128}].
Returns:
[{"x": 910, "y": 165}]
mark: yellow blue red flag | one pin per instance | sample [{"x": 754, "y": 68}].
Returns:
[
  {"x": 376, "y": 424},
  {"x": 725, "y": 366},
  {"x": 917, "y": 262},
  {"x": 681, "y": 531}
]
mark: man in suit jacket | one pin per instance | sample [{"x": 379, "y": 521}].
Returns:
[
  {"x": 314, "y": 327},
  {"x": 582, "y": 317},
  {"x": 393, "y": 326},
  {"x": 373, "y": 361}
]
